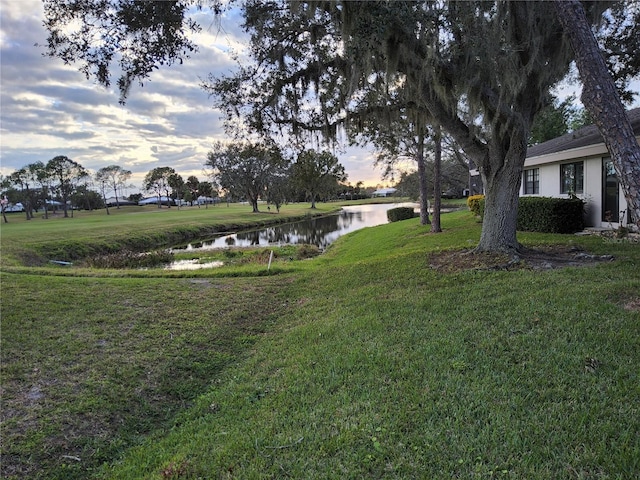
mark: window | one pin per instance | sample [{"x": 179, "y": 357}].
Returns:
[
  {"x": 532, "y": 181},
  {"x": 572, "y": 178},
  {"x": 610, "y": 192}
]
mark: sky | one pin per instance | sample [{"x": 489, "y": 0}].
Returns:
[{"x": 49, "y": 109}]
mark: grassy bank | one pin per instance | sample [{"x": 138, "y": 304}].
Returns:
[
  {"x": 37, "y": 241},
  {"x": 364, "y": 362}
]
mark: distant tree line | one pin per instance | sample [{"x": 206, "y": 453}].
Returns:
[{"x": 237, "y": 172}]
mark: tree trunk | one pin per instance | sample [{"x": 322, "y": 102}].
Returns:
[
  {"x": 27, "y": 205},
  {"x": 422, "y": 182},
  {"x": 45, "y": 195},
  {"x": 104, "y": 198},
  {"x": 437, "y": 189},
  {"x": 601, "y": 99},
  {"x": 502, "y": 188}
]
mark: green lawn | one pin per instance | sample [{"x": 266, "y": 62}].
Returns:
[{"x": 364, "y": 362}]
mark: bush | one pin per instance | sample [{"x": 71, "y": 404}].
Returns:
[
  {"x": 307, "y": 251},
  {"x": 400, "y": 213},
  {"x": 550, "y": 215},
  {"x": 129, "y": 259},
  {"x": 476, "y": 204}
]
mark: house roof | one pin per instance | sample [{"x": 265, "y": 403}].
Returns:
[
  {"x": 386, "y": 190},
  {"x": 585, "y": 136}
]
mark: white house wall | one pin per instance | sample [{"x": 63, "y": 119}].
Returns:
[
  {"x": 549, "y": 186},
  {"x": 591, "y": 155}
]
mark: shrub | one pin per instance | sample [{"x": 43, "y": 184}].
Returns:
[
  {"x": 476, "y": 204},
  {"x": 550, "y": 215},
  {"x": 307, "y": 251},
  {"x": 129, "y": 259},
  {"x": 400, "y": 213}
]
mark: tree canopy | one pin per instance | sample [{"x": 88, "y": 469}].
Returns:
[
  {"x": 115, "y": 177},
  {"x": 157, "y": 181},
  {"x": 246, "y": 169},
  {"x": 317, "y": 173},
  {"x": 65, "y": 173},
  {"x": 480, "y": 70}
]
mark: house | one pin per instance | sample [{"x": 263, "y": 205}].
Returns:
[
  {"x": 112, "y": 202},
  {"x": 579, "y": 163},
  {"x": 13, "y": 207},
  {"x": 384, "y": 192},
  {"x": 154, "y": 201}
]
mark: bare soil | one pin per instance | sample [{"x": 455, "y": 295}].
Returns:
[{"x": 547, "y": 258}]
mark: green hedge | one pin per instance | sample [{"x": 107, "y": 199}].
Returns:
[
  {"x": 546, "y": 214},
  {"x": 550, "y": 215},
  {"x": 400, "y": 213}
]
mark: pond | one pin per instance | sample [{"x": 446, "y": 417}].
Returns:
[{"x": 318, "y": 231}]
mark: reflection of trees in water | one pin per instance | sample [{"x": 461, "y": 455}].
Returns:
[
  {"x": 319, "y": 231},
  {"x": 315, "y": 231}
]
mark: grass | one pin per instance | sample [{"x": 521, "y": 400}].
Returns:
[{"x": 363, "y": 362}]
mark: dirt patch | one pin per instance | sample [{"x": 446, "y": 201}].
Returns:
[
  {"x": 548, "y": 258},
  {"x": 633, "y": 305}
]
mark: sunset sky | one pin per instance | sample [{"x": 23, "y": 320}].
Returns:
[{"x": 50, "y": 109}]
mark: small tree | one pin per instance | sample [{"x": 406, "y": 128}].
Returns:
[
  {"x": 279, "y": 188},
  {"x": 192, "y": 184},
  {"x": 88, "y": 198},
  {"x": 246, "y": 168},
  {"x": 157, "y": 182},
  {"x": 115, "y": 177},
  {"x": 65, "y": 174},
  {"x": 42, "y": 177},
  {"x": 176, "y": 182},
  {"x": 206, "y": 190},
  {"x": 317, "y": 173},
  {"x": 4, "y": 201},
  {"x": 102, "y": 186},
  {"x": 22, "y": 179},
  {"x": 135, "y": 197}
]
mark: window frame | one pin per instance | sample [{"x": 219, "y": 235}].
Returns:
[
  {"x": 531, "y": 186},
  {"x": 572, "y": 182}
]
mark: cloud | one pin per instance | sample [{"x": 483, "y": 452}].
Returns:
[{"x": 49, "y": 108}]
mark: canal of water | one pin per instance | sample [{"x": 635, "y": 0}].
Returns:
[{"x": 318, "y": 231}]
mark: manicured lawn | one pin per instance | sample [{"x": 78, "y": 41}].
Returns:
[{"x": 364, "y": 362}]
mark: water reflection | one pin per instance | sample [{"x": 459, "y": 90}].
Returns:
[
  {"x": 319, "y": 231},
  {"x": 192, "y": 265}
]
